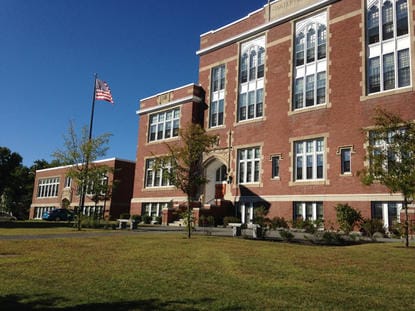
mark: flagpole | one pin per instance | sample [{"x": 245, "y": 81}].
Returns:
[
  {"x": 87, "y": 158},
  {"x": 93, "y": 107}
]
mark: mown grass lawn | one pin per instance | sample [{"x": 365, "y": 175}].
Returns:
[{"x": 157, "y": 271}]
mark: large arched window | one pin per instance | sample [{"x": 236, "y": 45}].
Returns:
[
  {"x": 388, "y": 45},
  {"x": 310, "y": 69},
  {"x": 251, "y": 79}
]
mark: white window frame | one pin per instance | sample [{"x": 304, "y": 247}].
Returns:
[
  {"x": 386, "y": 206},
  {"x": 48, "y": 187},
  {"x": 310, "y": 76},
  {"x": 217, "y": 96},
  {"x": 154, "y": 209},
  {"x": 306, "y": 152},
  {"x": 166, "y": 122},
  {"x": 308, "y": 211},
  {"x": 155, "y": 179},
  {"x": 249, "y": 165},
  {"x": 385, "y": 51},
  {"x": 251, "y": 80}
]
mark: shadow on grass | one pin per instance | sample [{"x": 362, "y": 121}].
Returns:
[{"x": 26, "y": 303}]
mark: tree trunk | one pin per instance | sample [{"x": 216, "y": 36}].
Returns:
[
  {"x": 189, "y": 225},
  {"x": 405, "y": 206}
]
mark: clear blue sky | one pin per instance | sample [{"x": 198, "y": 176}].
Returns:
[{"x": 50, "y": 50}]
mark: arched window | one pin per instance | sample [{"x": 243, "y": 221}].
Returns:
[
  {"x": 388, "y": 55},
  {"x": 387, "y": 21},
  {"x": 373, "y": 25},
  {"x": 252, "y": 71},
  {"x": 309, "y": 83}
]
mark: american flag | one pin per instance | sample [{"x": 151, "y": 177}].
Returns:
[{"x": 102, "y": 91}]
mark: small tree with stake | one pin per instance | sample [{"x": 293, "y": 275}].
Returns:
[
  {"x": 391, "y": 155},
  {"x": 185, "y": 162},
  {"x": 78, "y": 152}
]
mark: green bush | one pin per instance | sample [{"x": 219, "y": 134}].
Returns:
[
  {"x": 332, "y": 238},
  {"x": 371, "y": 226},
  {"x": 136, "y": 218},
  {"x": 210, "y": 221},
  {"x": 278, "y": 222},
  {"x": 307, "y": 225},
  {"x": 230, "y": 219},
  {"x": 397, "y": 230},
  {"x": 347, "y": 217},
  {"x": 124, "y": 216},
  {"x": 147, "y": 219},
  {"x": 286, "y": 235},
  {"x": 158, "y": 220}
]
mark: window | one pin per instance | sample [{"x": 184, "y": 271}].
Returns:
[
  {"x": 164, "y": 125},
  {"x": 251, "y": 80},
  {"x": 156, "y": 178},
  {"x": 388, "y": 212},
  {"x": 310, "y": 69},
  {"x": 48, "y": 187},
  {"x": 68, "y": 182},
  {"x": 308, "y": 211},
  {"x": 248, "y": 165},
  {"x": 102, "y": 187},
  {"x": 345, "y": 155},
  {"x": 275, "y": 166},
  {"x": 388, "y": 43},
  {"x": 154, "y": 209},
  {"x": 309, "y": 159},
  {"x": 217, "y": 96}
]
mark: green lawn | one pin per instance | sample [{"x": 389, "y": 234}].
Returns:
[{"x": 146, "y": 271}]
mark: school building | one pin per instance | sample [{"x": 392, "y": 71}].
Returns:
[{"x": 290, "y": 90}]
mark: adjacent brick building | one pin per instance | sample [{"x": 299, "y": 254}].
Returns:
[
  {"x": 54, "y": 189},
  {"x": 290, "y": 90}
]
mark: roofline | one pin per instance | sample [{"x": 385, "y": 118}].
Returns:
[
  {"x": 262, "y": 28},
  {"x": 71, "y": 165},
  {"x": 172, "y": 90},
  {"x": 176, "y": 102}
]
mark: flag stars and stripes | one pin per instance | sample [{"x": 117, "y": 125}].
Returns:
[{"x": 102, "y": 91}]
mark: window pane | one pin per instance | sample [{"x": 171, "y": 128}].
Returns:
[
  {"x": 275, "y": 166},
  {"x": 322, "y": 33},
  {"x": 310, "y": 91},
  {"x": 242, "y": 106},
  {"x": 311, "y": 45},
  {"x": 373, "y": 25},
  {"x": 259, "y": 102},
  {"x": 401, "y": 17},
  {"x": 321, "y": 88},
  {"x": 388, "y": 72},
  {"x": 374, "y": 75},
  {"x": 244, "y": 68},
  {"x": 299, "y": 50},
  {"x": 404, "y": 77},
  {"x": 387, "y": 18},
  {"x": 299, "y": 89}
]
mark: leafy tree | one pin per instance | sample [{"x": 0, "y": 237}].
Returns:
[
  {"x": 347, "y": 217},
  {"x": 391, "y": 155},
  {"x": 185, "y": 161},
  {"x": 79, "y": 152}
]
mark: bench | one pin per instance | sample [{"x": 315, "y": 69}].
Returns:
[
  {"x": 236, "y": 228},
  {"x": 122, "y": 223}
]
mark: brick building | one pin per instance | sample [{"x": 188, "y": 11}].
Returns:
[
  {"x": 289, "y": 89},
  {"x": 54, "y": 189}
]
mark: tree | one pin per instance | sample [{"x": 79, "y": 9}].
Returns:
[
  {"x": 391, "y": 156},
  {"x": 185, "y": 162},
  {"x": 79, "y": 153},
  {"x": 347, "y": 217}
]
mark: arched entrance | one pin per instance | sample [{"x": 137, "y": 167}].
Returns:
[{"x": 216, "y": 173}]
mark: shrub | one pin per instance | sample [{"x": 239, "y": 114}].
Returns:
[
  {"x": 158, "y": 220},
  {"x": 371, "y": 226},
  {"x": 278, "y": 222},
  {"x": 286, "y": 235},
  {"x": 396, "y": 229},
  {"x": 147, "y": 219},
  {"x": 230, "y": 219},
  {"x": 124, "y": 216},
  {"x": 307, "y": 225},
  {"x": 210, "y": 220},
  {"x": 332, "y": 238},
  {"x": 136, "y": 218},
  {"x": 347, "y": 217}
]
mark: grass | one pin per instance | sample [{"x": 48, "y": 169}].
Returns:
[{"x": 147, "y": 271}]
